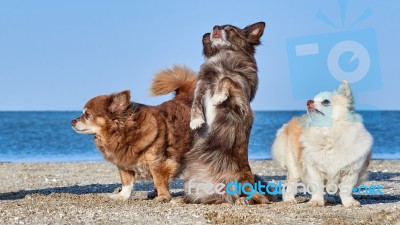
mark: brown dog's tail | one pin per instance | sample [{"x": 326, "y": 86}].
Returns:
[{"x": 179, "y": 79}]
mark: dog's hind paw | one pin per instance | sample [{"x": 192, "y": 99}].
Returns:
[
  {"x": 162, "y": 199},
  {"x": 178, "y": 200},
  {"x": 351, "y": 203},
  {"x": 196, "y": 123},
  {"x": 316, "y": 203},
  {"x": 259, "y": 199}
]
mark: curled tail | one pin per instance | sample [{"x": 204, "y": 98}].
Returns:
[{"x": 179, "y": 79}]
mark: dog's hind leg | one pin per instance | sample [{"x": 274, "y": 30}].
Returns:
[
  {"x": 161, "y": 176},
  {"x": 222, "y": 91}
]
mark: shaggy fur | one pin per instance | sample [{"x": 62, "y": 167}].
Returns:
[
  {"x": 329, "y": 145},
  {"x": 143, "y": 141},
  {"x": 221, "y": 113}
]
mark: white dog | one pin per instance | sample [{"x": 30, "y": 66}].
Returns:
[{"x": 329, "y": 146}]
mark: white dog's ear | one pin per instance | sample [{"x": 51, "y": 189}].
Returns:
[{"x": 345, "y": 90}]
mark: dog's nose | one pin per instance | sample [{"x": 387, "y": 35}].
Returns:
[
  {"x": 216, "y": 27},
  {"x": 73, "y": 122},
  {"x": 310, "y": 102}
]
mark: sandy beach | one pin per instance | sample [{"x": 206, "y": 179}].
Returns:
[{"x": 77, "y": 193}]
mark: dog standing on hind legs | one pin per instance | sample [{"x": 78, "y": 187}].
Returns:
[{"x": 222, "y": 117}]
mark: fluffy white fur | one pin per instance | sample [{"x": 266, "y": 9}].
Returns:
[
  {"x": 209, "y": 108},
  {"x": 196, "y": 123},
  {"x": 124, "y": 194},
  {"x": 338, "y": 154},
  {"x": 220, "y": 41}
]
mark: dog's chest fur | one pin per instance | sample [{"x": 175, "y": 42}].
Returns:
[
  {"x": 142, "y": 170},
  {"x": 336, "y": 150},
  {"x": 139, "y": 165},
  {"x": 226, "y": 64},
  {"x": 213, "y": 64},
  {"x": 210, "y": 109}
]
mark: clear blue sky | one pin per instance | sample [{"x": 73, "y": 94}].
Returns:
[{"x": 55, "y": 55}]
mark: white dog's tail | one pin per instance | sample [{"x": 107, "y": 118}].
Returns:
[{"x": 286, "y": 149}]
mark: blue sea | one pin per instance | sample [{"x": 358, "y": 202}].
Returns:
[{"x": 48, "y": 136}]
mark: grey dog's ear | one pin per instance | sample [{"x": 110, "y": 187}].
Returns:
[
  {"x": 254, "y": 32},
  {"x": 345, "y": 90}
]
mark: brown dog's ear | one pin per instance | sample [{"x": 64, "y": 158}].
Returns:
[
  {"x": 119, "y": 101},
  {"x": 206, "y": 38},
  {"x": 254, "y": 32}
]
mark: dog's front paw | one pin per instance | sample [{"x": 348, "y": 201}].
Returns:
[
  {"x": 178, "y": 200},
  {"x": 351, "y": 203},
  {"x": 241, "y": 201},
  {"x": 316, "y": 203},
  {"x": 259, "y": 199},
  {"x": 196, "y": 123},
  {"x": 119, "y": 197},
  {"x": 292, "y": 201},
  {"x": 162, "y": 199},
  {"x": 219, "y": 98},
  {"x": 121, "y": 194}
]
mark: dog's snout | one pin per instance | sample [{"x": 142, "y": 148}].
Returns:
[
  {"x": 216, "y": 33},
  {"x": 73, "y": 122},
  {"x": 310, "y": 102}
]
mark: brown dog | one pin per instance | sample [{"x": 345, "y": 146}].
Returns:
[{"x": 143, "y": 141}]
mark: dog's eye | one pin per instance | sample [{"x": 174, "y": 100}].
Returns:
[
  {"x": 326, "y": 102},
  {"x": 230, "y": 30},
  {"x": 88, "y": 116}
]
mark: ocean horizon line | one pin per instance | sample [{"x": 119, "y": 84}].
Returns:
[{"x": 48, "y": 136}]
